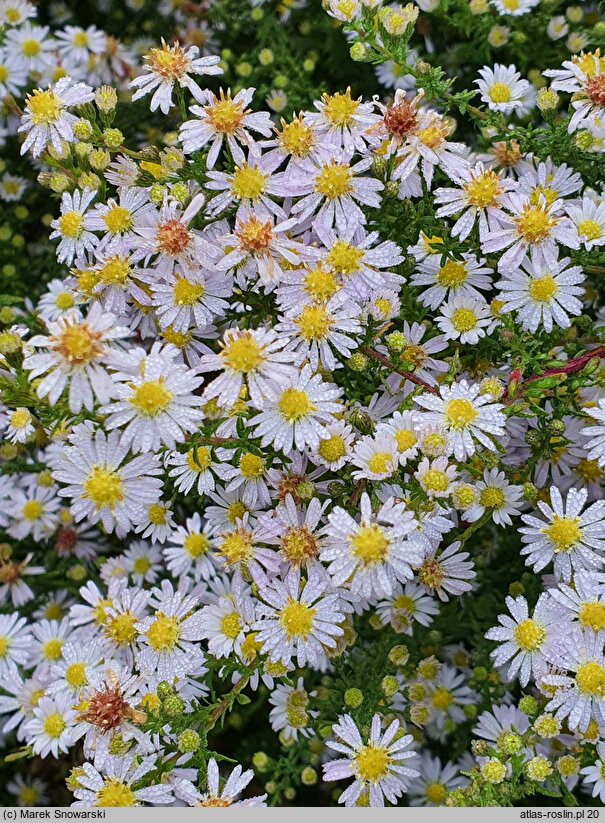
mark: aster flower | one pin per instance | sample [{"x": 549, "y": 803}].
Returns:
[
  {"x": 215, "y": 796},
  {"x": 46, "y": 119},
  {"x": 452, "y": 277},
  {"x": 581, "y": 76},
  {"x": 187, "y": 550},
  {"x": 372, "y": 555},
  {"x": 446, "y": 572},
  {"x": 572, "y": 538},
  {"x": 464, "y": 318},
  {"x": 595, "y": 446},
  {"x": 71, "y": 226},
  {"x": 341, "y": 120},
  {"x": 502, "y": 88},
  {"x": 377, "y": 765},
  {"x": 524, "y": 640},
  {"x": 15, "y": 643},
  {"x": 290, "y": 714},
  {"x": 51, "y": 729},
  {"x": 167, "y": 66},
  {"x": 495, "y": 493},
  {"x": 588, "y": 218},
  {"x": 435, "y": 781},
  {"x": 407, "y": 604},
  {"x": 115, "y": 784}
]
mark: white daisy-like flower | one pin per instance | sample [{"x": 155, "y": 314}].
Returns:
[
  {"x": 290, "y": 714},
  {"x": 372, "y": 555},
  {"x": 255, "y": 356},
  {"x": 14, "y": 587},
  {"x": 224, "y": 624},
  {"x": 467, "y": 415},
  {"x": 169, "y": 639},
  {"x": 155, "y": 401},
  {"x": 170, "y": 65},
  {"x": 436, "y": 779},
  {"x": 12, "y": 186},
  {"x": 408, "y": 604},
  {"x": 192, "y": 468},
  {"x": 187, "y": 550},
  {"x": 594, "y": 775},
  {"x": 295, "y": 412},
  {"x": 478, "y": 196},
  {"x": 546, "y": 178},
  {"x": 582, "y": 76},
  {"x": 77, "y": 45},
  {"x": 595, "y": 446},
  {"x": 464, "y": 318},
  {"x": 588, "y": 218},
  {"x": 297, "y": 619},
  {"x": 579, "y": 697},
  {"x": 15, "y": 12},
  {"x": 33, "y": 511},
  {"x": 377, "y": 458},
  {"x": 377, "y": 764},
  {"x": 294, "y": 531},
  {"x": 46, "y": 119},
  {"x": 77, "y": 351},
  {"x": 247, "y": 473},
  {"x": 585, "y": 601},
  {"x": 71, "y": 226},
  {"x": 542, "y": 292},
  {"x": 530, "y": 226},
  {"x": 51, "y": 729},
  {"x": 334, "y": 447},
  {"x": 453, "y": 277},
  {"x": 114, "y": 784},
  {"x": 224, "y": 119},
  {"x": 116, "y": 218},
  {"x": 436, "y": 477},
  {"x": 30, "y": 46},
  {"x": 215, "y": 796},
  {"x": 492, "y": 725},
  {"x": 495, "y": 493},
  {"x": 57, "y": 300},
  {"x": 524, "y": 639},
  {"x": 19, "y": 425},
  {"x": 15, "y": 643},
  {"x": 103, "y": 484},
  {"x": 183, "y": 302},
  {"x": 571, "y": 537},
  {"x": 446, "y": 572},
  {"x": 501, "y": 88},
  {"x": 514, "y": 8},
  {"x": 342, "y": 120}
]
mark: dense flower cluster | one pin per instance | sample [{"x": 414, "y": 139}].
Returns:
[{"x": 307, "y": 435}]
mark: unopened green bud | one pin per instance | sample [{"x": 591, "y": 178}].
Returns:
[
  {"x": 509, "y": 743},
  {"x": 584, "y": 140},
  {"x": 528, "y": 705},
  {"x": 58, "y": 182},
  {"x": 260, "y": 761},
  {"x": 353, "y": 698},
  {"x": 173, "y": 706},
  {"x": 538, "y": 769},
  {"x": 270, "y": 787},
  {"x": 164, "y": 690},
  {"x": 305, "y": 490},
  {"x": 113, "y": 138},
  {"x": 265, "y": 57},
  {"x": 529, "y": 492},
  {"x": 83, "y": 129},
  {"x": 106, "y": 99},
  {"x": 256, "y": 14},
  {"x": 10, "y": 343},
  {"x": 599, "y": 29},
  {"x": 359, "y": 52},
  {"x": 556, "y": 427},
  {"x": 89, "y": 180},
  {"x": 516, "y": 589},
  {"x": 480, "y": 673},
  {"x": 83, "y": 149},
  {"x": 389, "y": 685},
  {"x": 77, "y": 573},
  {"x": 391, "y": 189},
  {"x": 470, "y": 711},
  {"x": 243, "y": 69},
  {"x": 7, "y": 315},
  {"x": 399, "y": 655},
  {"x": 547, "y": 101},
  {"x": 493, "y": 771},
  {"x": 290, "y": 793},
  {"x": 396, "y": 342},
  {"x": 358, "y": 362},
  {"x": 308, "y": 65},
  {"x": 180, "y": 192},
  {"x": 280, "y": 81},
  {"x": 308, "y": 776},
  {"x": 99, "y": 159},
  {"x": 361, "y": 420},
  {"x": 188, "y": 741},
  {"x": 156, "y": 194}
]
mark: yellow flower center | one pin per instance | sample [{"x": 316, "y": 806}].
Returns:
[
  {"x": 243, "y": 354},
  {"x": 141, "y": 565},
  {"x": 115, "y": 793},
  {"x": 339, "y": 108},
  {"x": 230, "y": 625},
  {"x": 298, "y": 545},
  {"x": 235, "y": 511},
  {"x": 543, "y": 192},
  {"x": 499, "y": 93},
  {"x": 70, "y": 224},
  {"x": 534, "y": 224},
  {"x": 80, "y": 39},
  {"x": 121, "y": 628},
  {"x": 115, "y": 272},
  {"x": 314, "y": 323},
  {"x": 164, "y": 633},
  {"x": 296, "y": 619},
  {"x": 196, "y": 544},
  {"x": 151, "y": 398},
  {"x": 405, "y": 439},
  {"x": 452, "y": 275},
  {"x": 169, "y": 63},
  {"x": 236, "y": 546},
  {"x": 78, "y": 344},
  {"x": 53, "y": 649},
  {"x": 435, "y": 793},
  {"x": 460, "y": 414},
  {"x": 320, "y": 284},
  {"x": 32, "y": 510},
  {"x": 53, "y": 611},
  {"x": 442, "y": 699},
  {"x": 156, "y": 514},
  {"x": 528, "y": 635},
  {"x": 251, "y": 466},
  {"x": 186, "y": 293},
  {"x": 225, "y": 116},
  {"x": 293, "y": 405},
  {"x": 370, "y": 544},
  {"x": 332, "y": 448},
  {"x": 344, "y": 258},
  {"x": 54, "y": 725},
  {"x": 492, "y": 497},
  {"x": 31, "y": 48},
  {"x": 435, "y": 481},
  {"x": 64, "y": 300},
  {"x": 404, "y": 603},
  {"x": 296, "y": 138},
  {"x": 20, "y": 419},
  {"x": 380, "y": 463},
  {"x": 542, "y": 289},
  {"x": 590, "y": 679},
  {"x": 44, "y": 107},
  {"x": 483, "y": 190},
  {"x": 590, "y": 230},
  {"x": 372, "y": 763},
  {"x": 248, "y": 183},
  {"x": 199, "y": 459},
  {"x": 75, "y": 675},
  {"x": 28, "y": 796},
  {"x": 433, "y": 136},
  {"x": 103, "y": 487},
  {"x": 4, "y": 646},
  {"x": 100, "y": 614},
  {"x": 593, "y": 615},
  {"x": 588, "y": 470},
  {"x": 118, "y": 220},
  {"x": 463, "y": 320},
  {"x": 564, "y": 532},
  {"x": 333, "y": 181}
]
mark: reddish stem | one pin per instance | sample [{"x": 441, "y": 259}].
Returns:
[{"x": 384, "y": 361}]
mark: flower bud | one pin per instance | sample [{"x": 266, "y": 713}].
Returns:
[
  {"x": 188, "y": 741},
  {"x": 353, "y": 698}
]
